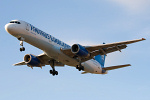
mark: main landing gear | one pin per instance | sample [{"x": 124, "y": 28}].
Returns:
[
  {"x": 21, "y": 43},
  {"x": 80, "y": 67},
  {"x": 53, "y": 71}
]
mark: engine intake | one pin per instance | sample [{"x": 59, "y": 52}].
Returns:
[
  {"x": 32, "y": 60},
  {"x": 79, "y": 50}
]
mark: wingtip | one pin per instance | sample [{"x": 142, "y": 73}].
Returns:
[
  {"x": 129, "y": 64},
  {"x": 143, "y": 39}
]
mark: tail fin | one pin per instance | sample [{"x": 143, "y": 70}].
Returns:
[{"x": 100, "y": 59}]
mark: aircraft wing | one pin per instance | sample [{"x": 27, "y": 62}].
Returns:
[
  {"x": 20, "y": 63},
  {"x": 44, "y": 59},
  {"x": 102, "y": 49},
  {"x": 104, "y": 46}
]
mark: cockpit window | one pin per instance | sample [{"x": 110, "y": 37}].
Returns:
[{"x": 15, "y": 22}]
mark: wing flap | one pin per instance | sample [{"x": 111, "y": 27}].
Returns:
[{"x": 116, "y": 67}]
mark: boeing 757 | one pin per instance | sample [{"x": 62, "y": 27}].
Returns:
[{"x": 89, "y": 59}]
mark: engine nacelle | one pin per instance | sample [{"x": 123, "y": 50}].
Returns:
[
  {"x": 79, "y": 50},
  {"x": 32, "y": 60}
]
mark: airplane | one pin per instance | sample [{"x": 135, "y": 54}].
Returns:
[{"x": 89, "y": 59}]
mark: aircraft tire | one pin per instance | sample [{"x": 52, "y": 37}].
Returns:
[
  {"x": 21, "y": 49},
  {"x": 82, "y": 68},
  {"x": 51, "y": 72},
  {"x": 56, "y": 73},
  {"x": 79, "y": 69}
]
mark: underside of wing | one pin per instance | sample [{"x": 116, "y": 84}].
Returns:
[{"x": 45, "y": 60}]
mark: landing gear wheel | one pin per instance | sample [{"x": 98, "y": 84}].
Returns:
[
  {"x": 53, "y": 72},
  {"x": 80, "y": 67},
  {"x": 22, "y": 49},
  {"x": 77, "y": 67},
  {"x": 50, "y": 71},
  {"x": 56, "y": 73}
]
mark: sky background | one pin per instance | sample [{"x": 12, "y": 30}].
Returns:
[{"x": 87, "y": 22}]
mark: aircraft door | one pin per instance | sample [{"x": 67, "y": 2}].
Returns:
[{"x": 27, "y": 27}]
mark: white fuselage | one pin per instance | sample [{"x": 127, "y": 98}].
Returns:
[{"x": 49, "y": 45}]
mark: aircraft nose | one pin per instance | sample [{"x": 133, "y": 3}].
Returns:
[{"x": 9, "y": 28}]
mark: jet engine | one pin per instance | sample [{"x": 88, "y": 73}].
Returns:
[
  {"x": 79, "y": 50},
  {"x": 32, "y": 60}
]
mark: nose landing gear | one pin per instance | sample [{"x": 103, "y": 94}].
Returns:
[
  {"x": 21, "y": 44},
  {"x": 22, "y": 48}
]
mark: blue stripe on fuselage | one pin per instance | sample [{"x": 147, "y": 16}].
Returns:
[{"x": 47, "y": 36}]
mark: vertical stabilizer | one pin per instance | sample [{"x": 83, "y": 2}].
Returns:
[{"x": 100, "y": 59}]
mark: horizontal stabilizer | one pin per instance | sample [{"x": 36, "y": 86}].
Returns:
[
  {"x": 115, "y": 67},
  {"x": 84, "y": 72},
  {"x": 20, "y": 63}
]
